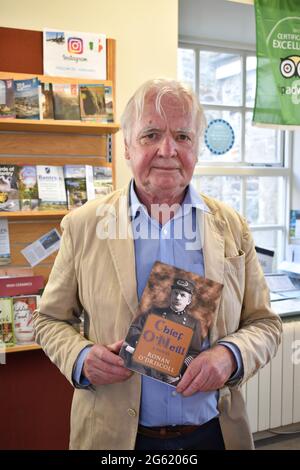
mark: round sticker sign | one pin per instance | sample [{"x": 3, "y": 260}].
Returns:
[{"x": 219, "y": 136}]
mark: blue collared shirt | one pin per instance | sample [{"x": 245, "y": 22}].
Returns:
[
  {"x": 178, "y": 243},
  {"x": 161, "y": 404}
]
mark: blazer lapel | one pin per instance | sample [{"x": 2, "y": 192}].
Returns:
[
  {"x": 212, "y": 236},
  {"x": 122, "y": 252}
]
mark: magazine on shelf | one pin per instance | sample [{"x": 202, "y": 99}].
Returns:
[
  {"x": 172, "y": 321},
  {"x": 9, "y": 190},
  {"x": 51, "y": 187},
  {"x": 66, "y": 101},
  {"x": 7, "y": 336},
  {"x": 27, "y": 98},
  {"x": 5, "y": 256},
  {"x": 102, "y": 180},
  {"x": 79, "y": 184},
  {"x": 7, "y": 99},
  {"x": 23, "y": 307},
  {"x": 46, "y": 101},
  {"x": 28, "y": 189}
]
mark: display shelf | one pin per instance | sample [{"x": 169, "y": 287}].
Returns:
[
  {"x": 33, "y": 215},
  {"x": 22, "y": 348},
  {"x": 55, "y": 126}
]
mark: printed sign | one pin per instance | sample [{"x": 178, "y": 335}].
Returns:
[
  {"x": 219, "y": 136},
  {"x": 73, "y": 54},
  {"x": 278, "y": 63}
]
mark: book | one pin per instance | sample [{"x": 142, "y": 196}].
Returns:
[
  {"x": 27, "y": 98},
  {"x": 7, "y": 99},
  {"x": 46, "y": 101},
  {"x": 7, "y": 336},
  {"x": 28, "y": 189},
  {"x": 23, "y": 307},
  {"x": 51, "y": 187},
  {"x": 92, "y": 102},
  {"x": 172, "y": 321},
  {"x": 12, "y": 271},
  {"x": 5, "y": 256},
  {"x": 109, "y": 104},
  {"x": 102, "y": 180},
  {"x": 21, "y": 285},
  {"x": 79, "y": 185},
  {"x": 66, "y": 101},
  {"x": 9, "y": 190}
]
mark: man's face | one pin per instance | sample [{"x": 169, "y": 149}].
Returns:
[
  {"x": 162, "y": 150},
  {"x": 180, "y": 299}
]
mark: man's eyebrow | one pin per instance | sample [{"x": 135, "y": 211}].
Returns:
[
  {"x": 186, "y": 130},
  {"x": 150, "y": 129}
]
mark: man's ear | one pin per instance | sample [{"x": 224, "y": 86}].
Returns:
[{"x": 127, "y": 155}]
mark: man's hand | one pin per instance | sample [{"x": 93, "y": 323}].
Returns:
[
  {"x": 103, "y": 365},
  {"x": 208, "y": 371}
]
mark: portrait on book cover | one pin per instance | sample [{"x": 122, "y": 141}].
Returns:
[{"x": 174, "y": 315}]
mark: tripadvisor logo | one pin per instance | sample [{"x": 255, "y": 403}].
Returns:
[{"x": 290, "y": 68}]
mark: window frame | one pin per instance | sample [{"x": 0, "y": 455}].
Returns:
[{"x": 281, "y": 168}]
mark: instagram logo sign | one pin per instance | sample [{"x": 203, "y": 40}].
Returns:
[{"x": 75, "y": 46}]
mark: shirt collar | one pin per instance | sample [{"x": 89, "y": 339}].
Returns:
[{"x": 192, "y": 199}]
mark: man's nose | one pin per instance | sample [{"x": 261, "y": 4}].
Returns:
[{"x": 167, "y": 147}]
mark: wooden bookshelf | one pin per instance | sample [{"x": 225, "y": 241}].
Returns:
[
  {"x": 55, "y": 126},
  {"x": 22, "y": 348},
  {"x": 33, "y": 215}
]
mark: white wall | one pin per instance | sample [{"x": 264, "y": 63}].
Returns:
[
  {"x": 217, "y": 20},
  {"x": 146, "y": 34},
  {"x": 229, "y": 23}
]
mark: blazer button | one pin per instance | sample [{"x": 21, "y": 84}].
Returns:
[{"x": 131, "y": 412}]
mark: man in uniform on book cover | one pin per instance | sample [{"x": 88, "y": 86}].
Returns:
[
  {"x": 180, "y": 298},
  {"x": 107, "y": 252}
]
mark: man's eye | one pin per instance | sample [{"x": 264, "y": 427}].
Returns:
[
  {"x": 149, "y": 137},
  {"x": 183, "y": 137}
]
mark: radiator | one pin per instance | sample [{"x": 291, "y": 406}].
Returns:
[{"x": 273, "y": 395}]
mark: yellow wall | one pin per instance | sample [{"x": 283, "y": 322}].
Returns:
[{"x": 145, "y": 31}]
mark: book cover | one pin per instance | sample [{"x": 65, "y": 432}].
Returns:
[
  {"x": 27, "y": 98},
  {"x": 92, "y": 102},
  {"x": 28, "y": 190},
  {"x": 79, "y": 185},
  {"x": 173, "y": 318},
  {"x": 23, "y": 307},
  {"x": 5, "y": 255},
  {"x": 46, "y": 101},
  {"x": 66, "y": 101},
  {"x": 102, "y": 180},
  {"x": 109, "y": 104},
  {"x": 9, "y": 190},
  {"x": 21, "y": 285},
  {"x": 7, "y": 99},
  {"x": 51, "y": 187},
  {"x": 6, "y": 322}
]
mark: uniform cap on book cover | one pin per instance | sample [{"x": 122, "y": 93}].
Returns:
[{"x": 183, "y": 284}]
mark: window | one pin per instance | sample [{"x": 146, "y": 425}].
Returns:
[{"x": 253, "y": 176}]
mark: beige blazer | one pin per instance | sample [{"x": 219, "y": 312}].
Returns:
[{"x": 99, "y": 275}]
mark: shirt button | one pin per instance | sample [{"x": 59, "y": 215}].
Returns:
[
  {"x": 165, "y": 231},
  {"x": 131, "y": 412},
  {"x": 174, "y": 393}
]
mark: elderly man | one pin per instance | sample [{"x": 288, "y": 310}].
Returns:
[{"x": 102, "y": 267}]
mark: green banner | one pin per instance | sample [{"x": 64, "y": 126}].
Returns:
[{"x": 277, "y": 101}]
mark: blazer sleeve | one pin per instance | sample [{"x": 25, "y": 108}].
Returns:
[
  {"x": 260, "y": 329},
  {"x": 57, "y": 316}
]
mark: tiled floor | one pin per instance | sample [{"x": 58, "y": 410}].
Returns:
[{"x": 282, "y": 442}]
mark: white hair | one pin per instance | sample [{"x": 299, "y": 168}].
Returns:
[{"x": 161, "y": 87}]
